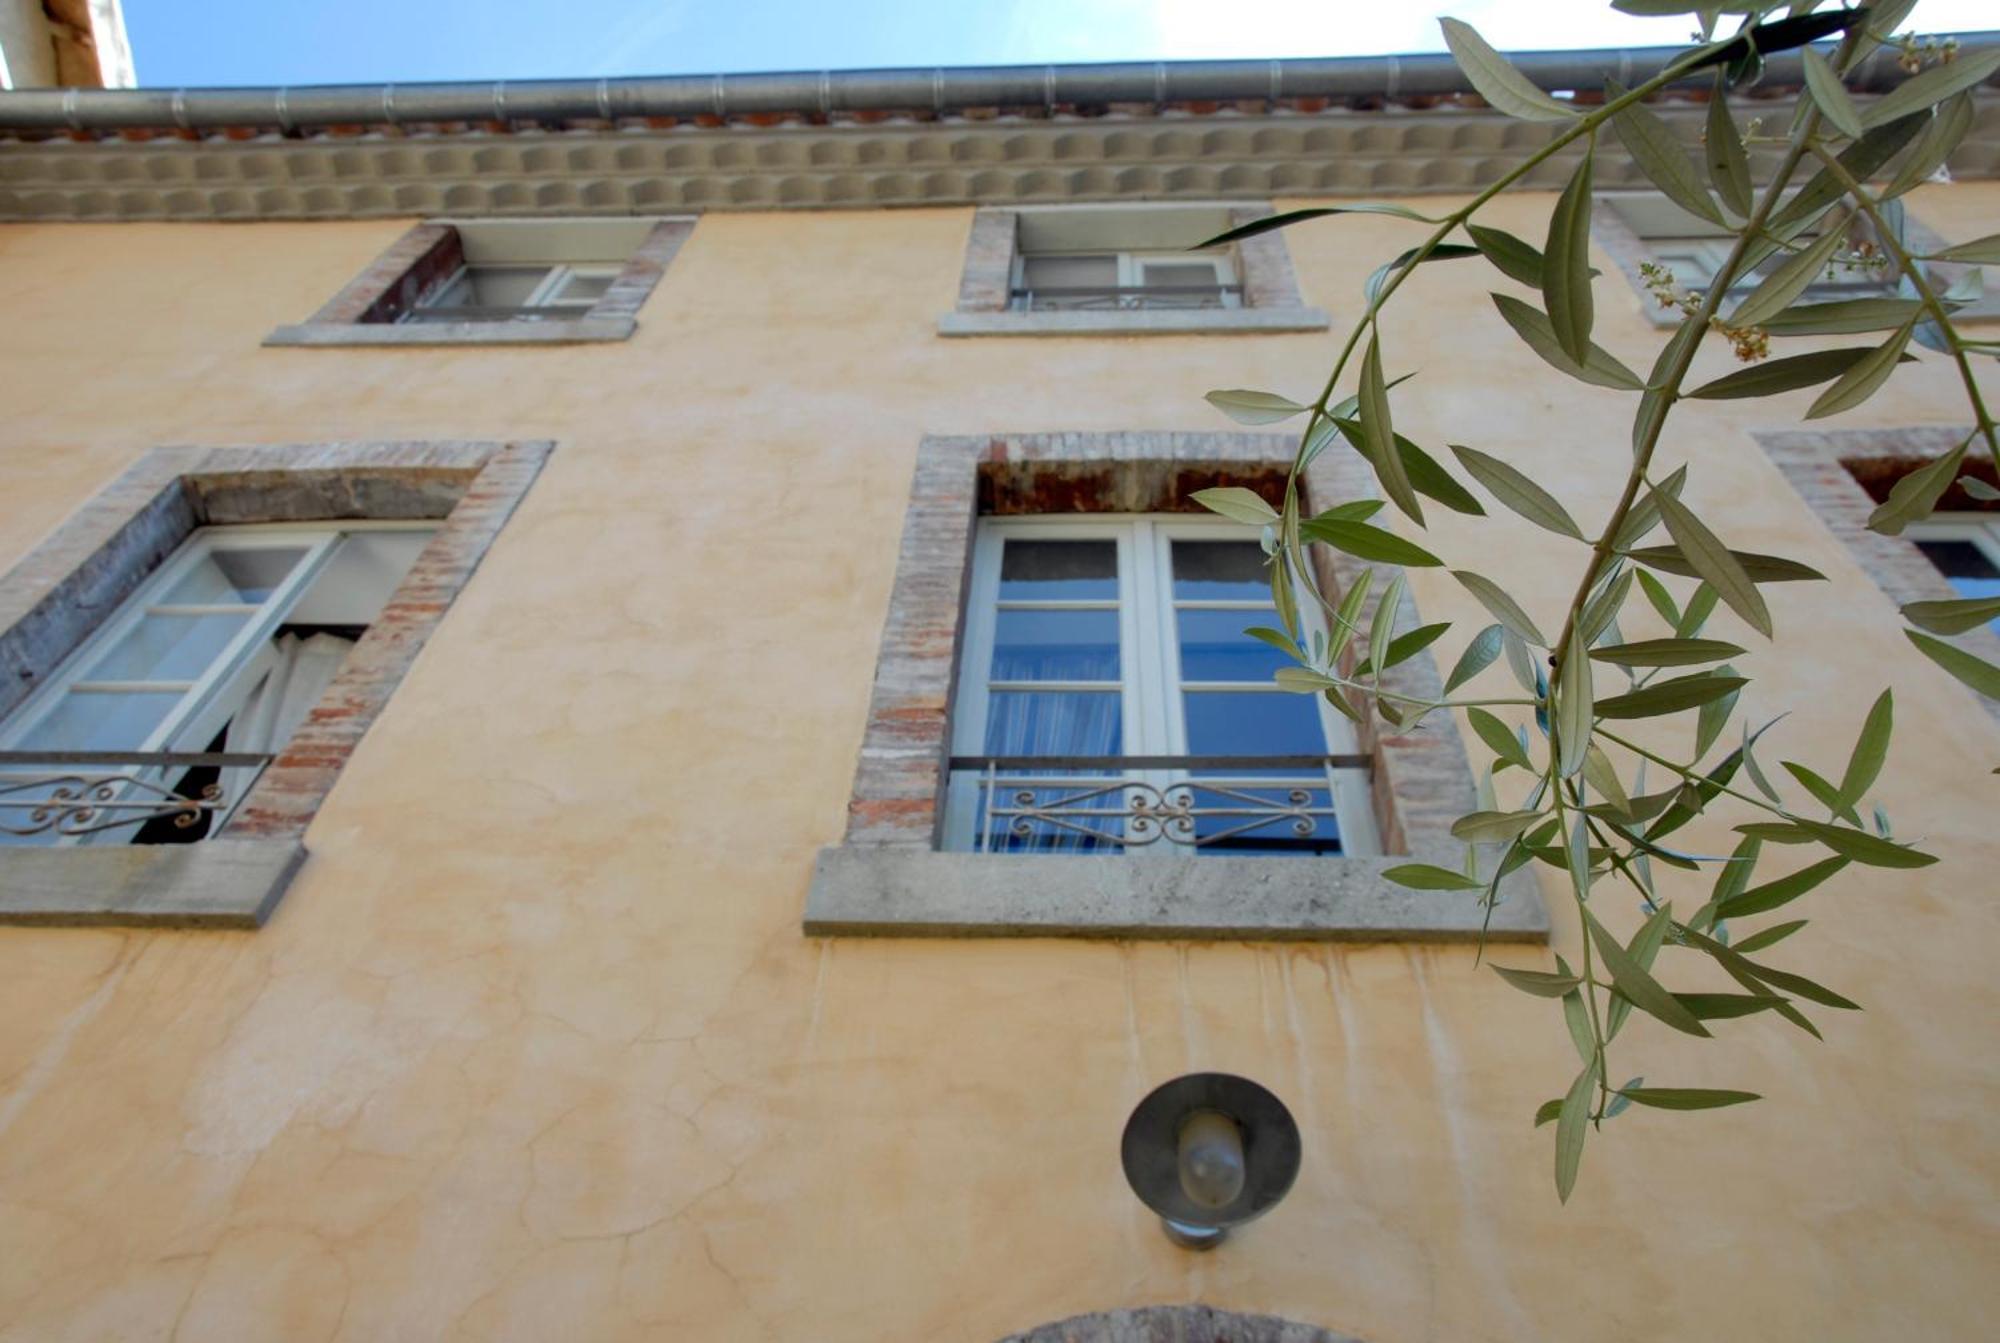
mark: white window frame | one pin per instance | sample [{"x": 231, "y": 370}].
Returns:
[
  {"x": 1981, "y": 529},
  {"x": 215, "y": 696},
  {"x": 1132, "y": 267},
  {"x": 1149, "y": 661},
  {"x": 547, "y": 293}
]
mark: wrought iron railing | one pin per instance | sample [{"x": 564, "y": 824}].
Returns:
[
  {"x": 1122, "y": 298},
  {"x": 1086, "y": 803},
  {"x": 68, "y": 793}
]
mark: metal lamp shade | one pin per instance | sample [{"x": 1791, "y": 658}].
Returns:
[{"x": 1150, "y": 1150}]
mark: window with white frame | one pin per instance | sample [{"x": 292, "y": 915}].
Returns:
[
  {"x": 1121, "y": 260},
  {"x": 515, "y": 293},
  {"x": 1694, "y": 250},
  {"x": 1110, "y": 700},
  {"x": 1965, "y": 547},
  {"x": 156, "y": 726}
]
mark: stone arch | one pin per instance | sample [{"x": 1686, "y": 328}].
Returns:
[{"x": 1176, "y": 1324}]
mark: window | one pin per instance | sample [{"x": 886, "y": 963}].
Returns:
[
  {"x": 194, "y": 683},
  {"x": 1965, "y": 547},
  {"x": 1110, "y": 701},
  {"x": 1071, "y": 735},
  {"x": 514, "y": 293},
  {"x": 1128, "y": 281},
  {"x": 1084, "y": 270},
  {"x": 500, "y": 281},
  {"x": 1694, "y": 250},
  {"x": 200, "y": 649}
]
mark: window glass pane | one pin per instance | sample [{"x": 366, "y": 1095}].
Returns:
[
  {"x": 1179, "y": 274},
  {"x": 1305, "y": 825},
  {"x": 504, "y": 286},
  {"x": 233, "y": 576},
  {"x": 1220, "y": 571},
  {"x": 1040, "y": 722},
  {"x": 1215, "y": 648},
  {"x": 1967, "y": 567},
  {"x": 1084, "y": 816},
  {"x": 1249, "y": 722},
  {"x": 1059, "y": 571},
  {"x": 1069, "y": 272},
  {"x": 166, "y": 648},
  {"x": 584, "y": 287},
  {"x": 93, "y": 722},
  {"x": 1055, "y": 646}
]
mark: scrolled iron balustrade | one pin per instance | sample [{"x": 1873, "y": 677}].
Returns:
[
  {"x": 1125, "y": 812},
  {"x": 76, "y": 793},
  {"x": 1122, "y": 298}
]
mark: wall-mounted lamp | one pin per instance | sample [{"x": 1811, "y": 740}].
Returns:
[{"x": 1209, "y": 1151}]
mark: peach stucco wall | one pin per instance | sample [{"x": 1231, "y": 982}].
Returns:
[{"x": 534, "y": 1048}]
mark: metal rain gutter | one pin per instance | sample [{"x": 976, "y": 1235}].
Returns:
[{"x": 825, "y": 93}]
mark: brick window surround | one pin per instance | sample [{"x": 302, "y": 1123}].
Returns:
[
  {"x": 1842, "y": 474},
  {"x": 364, "y": 312},
  {"x": 52, "y": 600},
  {"x": 889, "y": 877},
  {"x": 1271, "y": 298}
]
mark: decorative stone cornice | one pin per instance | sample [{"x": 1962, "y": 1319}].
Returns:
[{"x": 899, "y": 162}]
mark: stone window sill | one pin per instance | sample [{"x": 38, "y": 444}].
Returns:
[
  {"x": 1204, "y": 322},
  {"x": 584, "y": 330},
  {"x": 895, "y": 891},
  {"x": 223, "y": 883}
]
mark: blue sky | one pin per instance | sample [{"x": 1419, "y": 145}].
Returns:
[{"x": 198, "y": 42}]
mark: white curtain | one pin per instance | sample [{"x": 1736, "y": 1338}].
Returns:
[{"x": 281, "y": 701}]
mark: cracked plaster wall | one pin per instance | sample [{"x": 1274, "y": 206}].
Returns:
[{"x": 534, "y": 1048}]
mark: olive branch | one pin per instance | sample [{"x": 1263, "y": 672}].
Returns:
[{"x": 1587, "y": 811}]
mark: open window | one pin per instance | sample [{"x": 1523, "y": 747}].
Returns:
[
  {"x": 500, "y": 281},
  {"x": 1122, "y": 261},
  {"x": 156, "y": 727},
  {"x": 1088, "y": 270}
]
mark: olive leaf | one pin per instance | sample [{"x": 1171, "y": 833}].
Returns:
[
  {"x": 1246, "y": 406},
  {"x": 1427, "y": 877},
  {"x": 1846, "y": 317},
  {"x": 1912, "y": 498},
  {"x": 1784, "y": 375},
  {"x": 1291, "y": 217},
  {"x": 1974, "y": 671},
  {"x": 1496, "y": 79},
  {"x": 1378, "y": 436},
  {"x": 1503, "y": 607},
  {"x": 1830, "y": 95},
  {"x": 1599, "y": 366},
  {"x": 1516, "y": 258},
  {"x": 1919, "y": 92},
  {"x": 1368, "y": 543},
  {"x": 1566, "y": 266},
  {"x": 1666, "y": 652},
  {"x": 1657, "y": 150},
  {"x": 1670, "y": 696},
  {"x": 1716, "y": 564},
  {"x": 1237, "y": 504},
  {"x": 1777, "y": 290},
  {"x": 1871, "y": 749},
  {"x": 1953, "y": 617},
  {"x": 1514, "y": 489},
  {"x": 1477, "y": 657},
  {"x": 1722, "y": 151}
]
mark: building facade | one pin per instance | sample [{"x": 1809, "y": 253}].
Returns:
[{"x": 611, "y": 924}]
